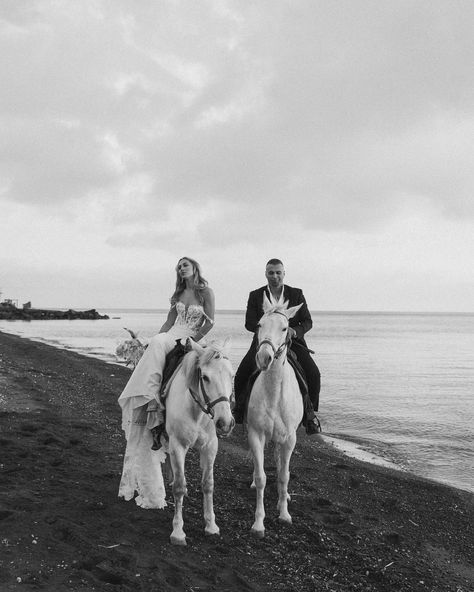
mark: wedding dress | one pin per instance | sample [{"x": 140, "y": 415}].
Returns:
[{"x": 142, "y": 465}]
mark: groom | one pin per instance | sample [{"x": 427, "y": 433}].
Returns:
[{"x": 301, "y": 323}]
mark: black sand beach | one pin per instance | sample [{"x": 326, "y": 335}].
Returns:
[{"x": 356, "y": 526}]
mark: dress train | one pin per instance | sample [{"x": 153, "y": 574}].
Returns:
[
  {"x": 142, "y": 465},
  {"x": 142, "y": 468}
]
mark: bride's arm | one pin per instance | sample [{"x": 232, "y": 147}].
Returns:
[
  {"x": 209, "y": 309},
  {"x": 170, "y": 320}
]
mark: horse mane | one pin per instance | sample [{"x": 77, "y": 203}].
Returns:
[{"x": 281, "y": 308}]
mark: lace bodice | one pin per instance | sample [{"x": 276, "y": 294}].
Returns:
[{"x": 191, "y": 316}]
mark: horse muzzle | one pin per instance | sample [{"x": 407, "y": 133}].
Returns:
[
  {"x": 224, "y": 428},
  {"x": 264, "y": 358}
]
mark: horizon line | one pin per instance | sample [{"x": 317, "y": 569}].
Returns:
[{"x": 242, "y": 310}]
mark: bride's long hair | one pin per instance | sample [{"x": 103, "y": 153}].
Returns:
[{"x": 199, "y": 283}]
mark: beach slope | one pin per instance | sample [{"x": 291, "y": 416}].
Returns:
[{"x": 355, "y": 527}]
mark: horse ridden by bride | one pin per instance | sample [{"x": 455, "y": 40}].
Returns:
[
  {"x": 197, "y": 413},
  {"x": 275, "y": 408},
  {"x": 198, "y": 398}
]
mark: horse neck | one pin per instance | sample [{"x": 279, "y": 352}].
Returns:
[{"x": 185, "y": 409}]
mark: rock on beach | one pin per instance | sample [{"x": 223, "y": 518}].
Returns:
[
  {"x": 356, "y": 526},
  {"x": 12, "y": 313}
]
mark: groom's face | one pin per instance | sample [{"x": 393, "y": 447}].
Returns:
[{"x": 275, "y": 275}]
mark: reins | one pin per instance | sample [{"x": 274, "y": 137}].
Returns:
[{"x": 276, "y": 352}]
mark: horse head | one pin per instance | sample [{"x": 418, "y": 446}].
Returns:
[
  {"x": 273, "y": 331},
  {"x": 209, "y": 380}
]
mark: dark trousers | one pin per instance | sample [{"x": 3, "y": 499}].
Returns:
[{"x": 248, "y": 365}]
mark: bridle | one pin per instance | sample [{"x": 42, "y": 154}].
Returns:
[
  {"x": 276, "y": 351},
  {"x": 208, "y": 406}
]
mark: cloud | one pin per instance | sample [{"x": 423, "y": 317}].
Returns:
[
  {"x": 318, "y": 103},
  {"x": 157, "y": 127}
]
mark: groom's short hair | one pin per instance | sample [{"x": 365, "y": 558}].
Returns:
[{"x": 275, "y": 262}]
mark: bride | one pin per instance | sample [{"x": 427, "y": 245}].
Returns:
[{"x": 191, "y": 315}]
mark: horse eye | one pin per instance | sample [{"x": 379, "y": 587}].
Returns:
[{"x": 205, "y": 378}]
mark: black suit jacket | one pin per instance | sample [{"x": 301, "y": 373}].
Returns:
[{"x": 301, "y": 322}]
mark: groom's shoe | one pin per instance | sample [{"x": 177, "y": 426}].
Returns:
[{"x": 313, "y": 426}]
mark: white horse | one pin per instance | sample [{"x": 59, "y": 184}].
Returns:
[
  {"x": 275, "y": 408},
  {"x": 197, "y": 413}
]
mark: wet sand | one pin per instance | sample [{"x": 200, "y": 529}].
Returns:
[{"x": 356, "y": 526}]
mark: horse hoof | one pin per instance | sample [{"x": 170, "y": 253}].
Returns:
[
  {"x": 259, "y": 534},
  {"x": 177, "y": 541},
  {"x": 285, "y": 520},
  {"x": 211, "y": 533}
]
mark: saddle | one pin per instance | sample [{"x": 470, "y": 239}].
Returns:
[
  {"x": 308, "y": 410},
  {"x": 172, "y": 361}
]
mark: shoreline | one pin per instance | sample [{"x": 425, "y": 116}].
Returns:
[
  {"x": 356, "y": 525},
  {"x": 348, "y": 447},
  {"x": 364, "y": 450}
]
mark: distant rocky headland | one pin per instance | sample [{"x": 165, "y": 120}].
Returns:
[{"x": 9, "y": 311}]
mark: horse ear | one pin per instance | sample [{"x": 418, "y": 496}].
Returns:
[
  {"x": 267, "y": 305},
  {"x": 194, "y": 345},
  {"x": 292, "y": 311}
]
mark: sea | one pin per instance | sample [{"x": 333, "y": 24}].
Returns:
[{"x": 397, "y": 388}]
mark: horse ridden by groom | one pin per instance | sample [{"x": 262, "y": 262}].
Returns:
[{"x": 278, "y": 293}]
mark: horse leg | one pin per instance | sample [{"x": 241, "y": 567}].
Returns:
[
  {"x": 168, "y": 470},
  {"x": 207, "y": 457},
  {"x": 178, "y": 456},
  {"x": 257, "y": 446},
  {"x": 282, "y": 456}
]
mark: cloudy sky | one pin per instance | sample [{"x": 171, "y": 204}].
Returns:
[{"x": 335, "y": 135}]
